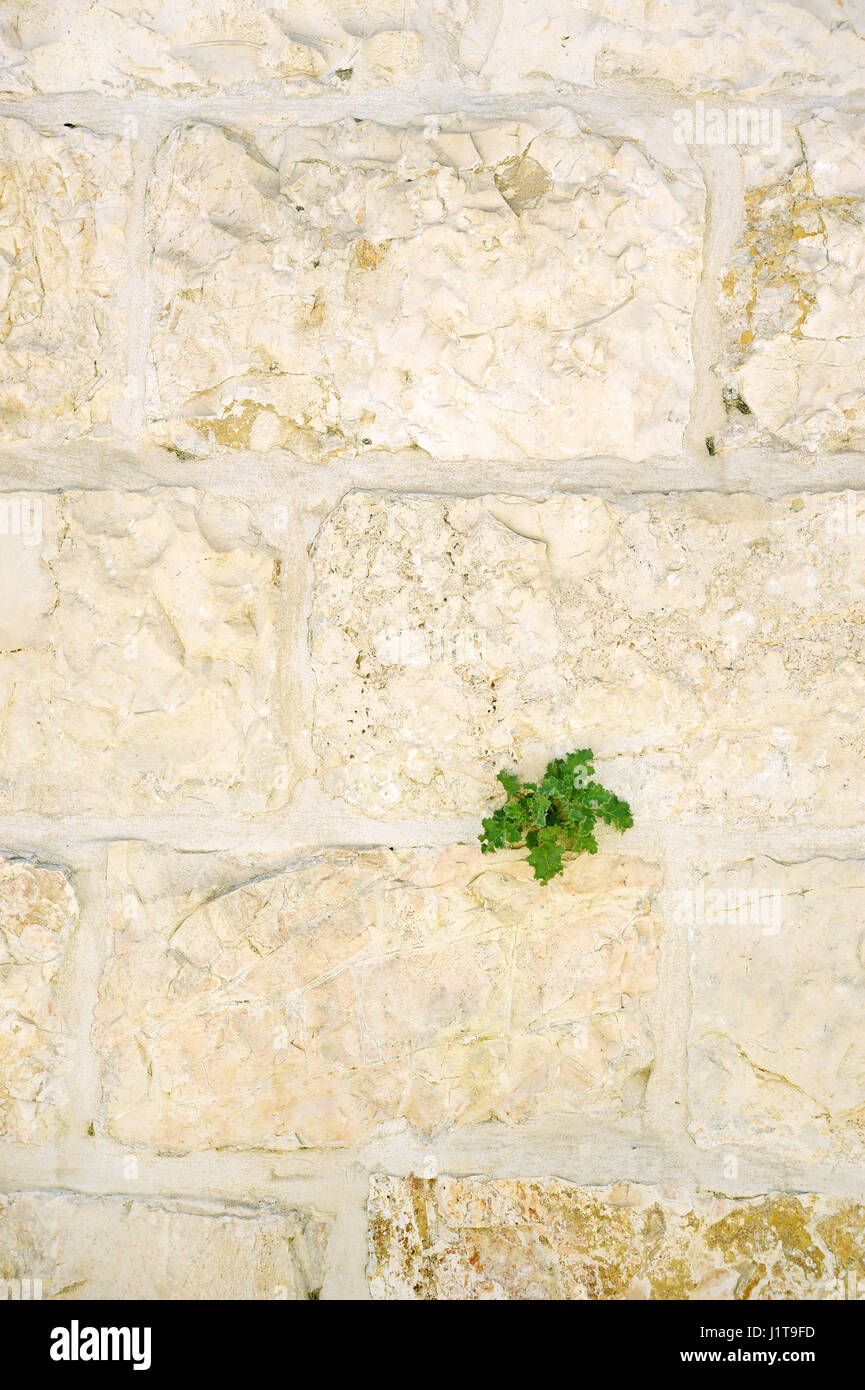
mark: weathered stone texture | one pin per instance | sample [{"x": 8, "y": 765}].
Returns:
[
  {"x": 125, "y": 1248},
  {"x": 300, "y": 47},
  {"x": 64, "y": 205},
  {"x": 192, "y": 47},
  {"x": 38, "y": 914},
  {"x": 736, "y": 46},
  {"x": 777, "y": 1051},
  {"x": 140, "y": 670},
  {"x": 509, "y": 292},
  {"x": 470, "y": 1239},
  {"x": 793, "y": 294},
  {"x": 708, "y": 647},
  {"x": 360, "y": 989},
  {"x": 280, "y": 249}
]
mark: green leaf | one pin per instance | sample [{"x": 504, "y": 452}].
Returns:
[
  {"x": 510, "y": 783},
  {"x": 537, "y": 805},
  {"x": 514, "y": 823},
  {"x": 493, "y": 835},
  {"x": 578, "y": 839},
  {"x": 546, "y": 860},
  {"x": 556, "y": 816}
]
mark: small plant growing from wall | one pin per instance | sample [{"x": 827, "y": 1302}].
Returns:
[{"x": 555, "y": 816}]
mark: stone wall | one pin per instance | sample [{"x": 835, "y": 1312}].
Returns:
[{"x": 390, "y": 393}]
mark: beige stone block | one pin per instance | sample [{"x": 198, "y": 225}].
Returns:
[
  {"x": 476, "y": 1239},
  {"x": 141, "y": 671},
  {"x": 740, "y": 48},
  {"x": 38, "y": 914},
  {"x": 792, "y": 296},
  {"x": 64, "y": 215},
  {"x": 705, "y": 646},
  {"x": 362, "y": 992},
  {"x": 513, "y": 291},
  {"x": 200, "y": 47},
  {"x": 776, "y": 1050},
  {"x": 83, "y": 1247},
  {"x": 299, "y": 47}
]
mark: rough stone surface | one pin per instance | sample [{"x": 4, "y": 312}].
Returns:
[
  {"x": 299, "y": 48},
  {"x": 393, "y": 391},
  {"x": 196, "y": 47},
  {"x": 140, "y": 670},
  {"x": 707, "y": 647},
  {"x": 510, "y": 292},
  {"x": 125, "y": 1248},
  {"x": 38, "y": 914},
  {"x": 793, "y": 293},
  {"x": 777, "y": 1053},
  {"x": 678, "y": 45},
  {"x": 64, "y": 208},
  {"x": 469, "y": 1238},
  {"x": 360, "y": 989}
]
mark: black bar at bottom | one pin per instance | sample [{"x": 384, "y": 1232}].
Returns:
[{"x": 68, "y": 1338}]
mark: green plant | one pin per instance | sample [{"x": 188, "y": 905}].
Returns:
[{"x": 555, "y": 816}]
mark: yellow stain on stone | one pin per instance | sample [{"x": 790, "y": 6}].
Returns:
[
  {"x": 233, "y": 429},
  {"x": 369, "y": 254},
  {"x": 780, "y": 1221},
  {"x": 522, "y": 182},
  {"x": 777, "y": 218},
  {"x": 468, "y": 1238}
]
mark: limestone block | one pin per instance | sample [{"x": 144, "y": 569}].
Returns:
[
  {"x": 84, "y": 1247},
  {"x": 299, "y": 47},
  {"x": 776, "y": 1053},
  {"x": 699, "y": 46},
  {"x": 475, "y": 1239},
  {"x": 361, "y": 989},
  {"x": 792, "y": 297},
  {"x": 707, "y": 647},
  {"x": 38, "y": 914},
  {"x": 63, "y": 249},
  {"x": 141, "y": 666},
  {"x": 513, "y": 291},
  {"x": 197, "y": 47}
]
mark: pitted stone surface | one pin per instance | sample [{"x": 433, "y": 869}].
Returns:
[
  {"x": 793, "y": 294},
  {"x": 124, "y": 1248},
  {"x": 678, "y": 46},
  {"x": 298, "y": 48},
  {"x": 470, "y": 1239},
  {"x": 64, "y": 212},
  {"x": 38, "y": 914},
  {"x": 776, "y": 1052},
  {"x": 507, "y": 292},
  {"x": 361, "y": 989},
  {"x": 140, "y": 671},
  {"x": 208, "y": 47},
  {"x": 707, "y": 647},
  {"x": 435, "y": 367}
]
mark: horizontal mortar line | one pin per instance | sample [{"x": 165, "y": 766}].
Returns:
[
  {"x": 583, "y": 1154},
  {"x": 442, "y": 96},
  {"x": 251, "y": 475},
  {"x": 317, "y": 828},
  {"x": 310, "y": 824},
  {"x": 300, "y": 827}
]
